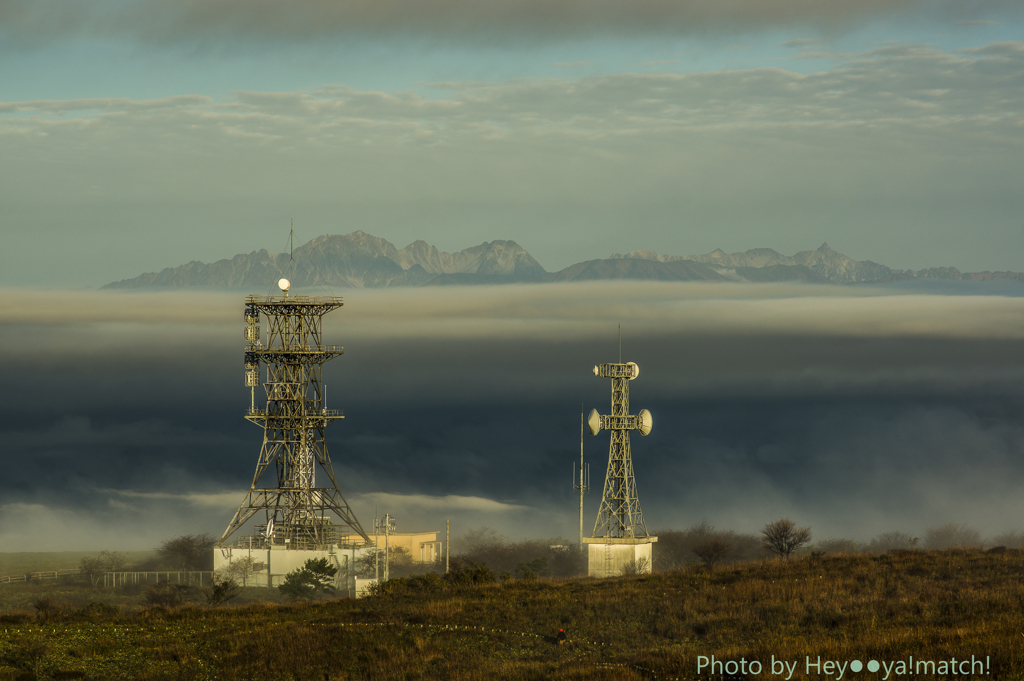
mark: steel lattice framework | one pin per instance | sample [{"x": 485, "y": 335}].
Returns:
[
  {"x": 293, "y": 424},
  {"x": 619, "y": 515}
]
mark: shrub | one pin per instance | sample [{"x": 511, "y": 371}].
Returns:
[
  {"x": 837, "y": 546},
  {"x": 1011, "y": 540},
  {"x": 953, "y": 536},
  {"x": 638, "y": 566},
  {"x": 892, "y": 541},
  {"x": 222, "y": 592},
  {"x": 164, "y": 594}
]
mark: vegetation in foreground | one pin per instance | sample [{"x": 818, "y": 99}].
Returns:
[{"x": 933, "y": 605}]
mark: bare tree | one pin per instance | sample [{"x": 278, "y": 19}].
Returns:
[
  {"x": 783, "y": 537},
  {"x": 107, "y": 561},
  {"x": 189, "y": 552},
  {"x": 242, "y": 568},
  {"x": 953, "y": 536},
  {"x": 1011, "y": 540},
  {"x": 711, "y": 551}
]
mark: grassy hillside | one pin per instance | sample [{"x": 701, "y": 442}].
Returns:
[{"x": 934, "y": 606}]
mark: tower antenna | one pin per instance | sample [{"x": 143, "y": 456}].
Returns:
[
  {"x": 291, "y": 266},
  {"x": 620, "y": 534}
]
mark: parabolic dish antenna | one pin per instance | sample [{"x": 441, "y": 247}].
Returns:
[
  {"x": 634, "y": 370},
  {"x": 284, "y": 284},
  {"x": 646, "y": 421},
  {"x": 594, "y": 422}
]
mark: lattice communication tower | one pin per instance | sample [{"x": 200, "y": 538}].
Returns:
[
  {"x": 294, "y": 420},
  {"x": 619, "y": 515}
]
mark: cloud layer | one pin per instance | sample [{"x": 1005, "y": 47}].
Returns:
[
  {"x": 856, "y": 411},
  {"x": 216, "y": 22},
  {"x": 895, "y": 150}
]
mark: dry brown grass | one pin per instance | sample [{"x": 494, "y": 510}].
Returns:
[{"x": 932, "y": 605}]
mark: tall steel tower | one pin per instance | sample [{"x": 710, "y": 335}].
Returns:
[
  {"x": 293, "y": 424},
  {"x": 619, "y": 515}
]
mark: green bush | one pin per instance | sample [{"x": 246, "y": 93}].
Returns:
[{"x": 314, "y": 578}]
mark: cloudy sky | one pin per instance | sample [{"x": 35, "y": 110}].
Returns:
[{"x": 142, "y": 134}]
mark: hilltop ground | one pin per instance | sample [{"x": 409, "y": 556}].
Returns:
[{"x": 934, "y": 606}]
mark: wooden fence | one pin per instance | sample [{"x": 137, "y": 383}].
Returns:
[{"x": 37, "y": 576}]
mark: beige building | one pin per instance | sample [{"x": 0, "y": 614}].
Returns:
[{"x": 423, "y": 547}]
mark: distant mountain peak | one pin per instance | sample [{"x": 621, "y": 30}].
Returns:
[
  {"x": 361, "y": 260},
  {"x": 357, "y": 260}
]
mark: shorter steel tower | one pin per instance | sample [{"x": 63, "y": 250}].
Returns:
[
  {"x": 620, "y": 514},
  {"x": 620, "y": 534}
]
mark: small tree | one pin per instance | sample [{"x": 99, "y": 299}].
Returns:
[
  {"x": 92, "y": 568},
  {"x": 953, "y": 536},
  {"x": 189, "y": 552},
  {"x": 222, "y": 592},
  {"x": 711, "y": 551},
  {"x": 313, "y": 578},
  {"x": 782, "y": 537},
  {"x": 242, "y": 568},
  {"x": 369, "y": 563},
  {"x": 106, "y": 561}
]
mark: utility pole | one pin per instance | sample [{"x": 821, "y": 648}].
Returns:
[{"x": 389, "y": 525}]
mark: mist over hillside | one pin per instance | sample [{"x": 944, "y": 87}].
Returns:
[{"x": 361, "y": 260}]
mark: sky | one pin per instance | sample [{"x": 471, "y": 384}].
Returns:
[
  {"x": 141, "y": 134},
  {"x": 852, "y": 410}
]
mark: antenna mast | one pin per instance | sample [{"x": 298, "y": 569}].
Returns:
[{"x": 583, "y": 485}]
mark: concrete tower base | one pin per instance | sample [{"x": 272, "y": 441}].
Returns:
[{"x": 607, "y": 556}]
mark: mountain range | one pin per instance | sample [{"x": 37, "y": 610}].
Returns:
[{"x": 361, "y": 260}]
